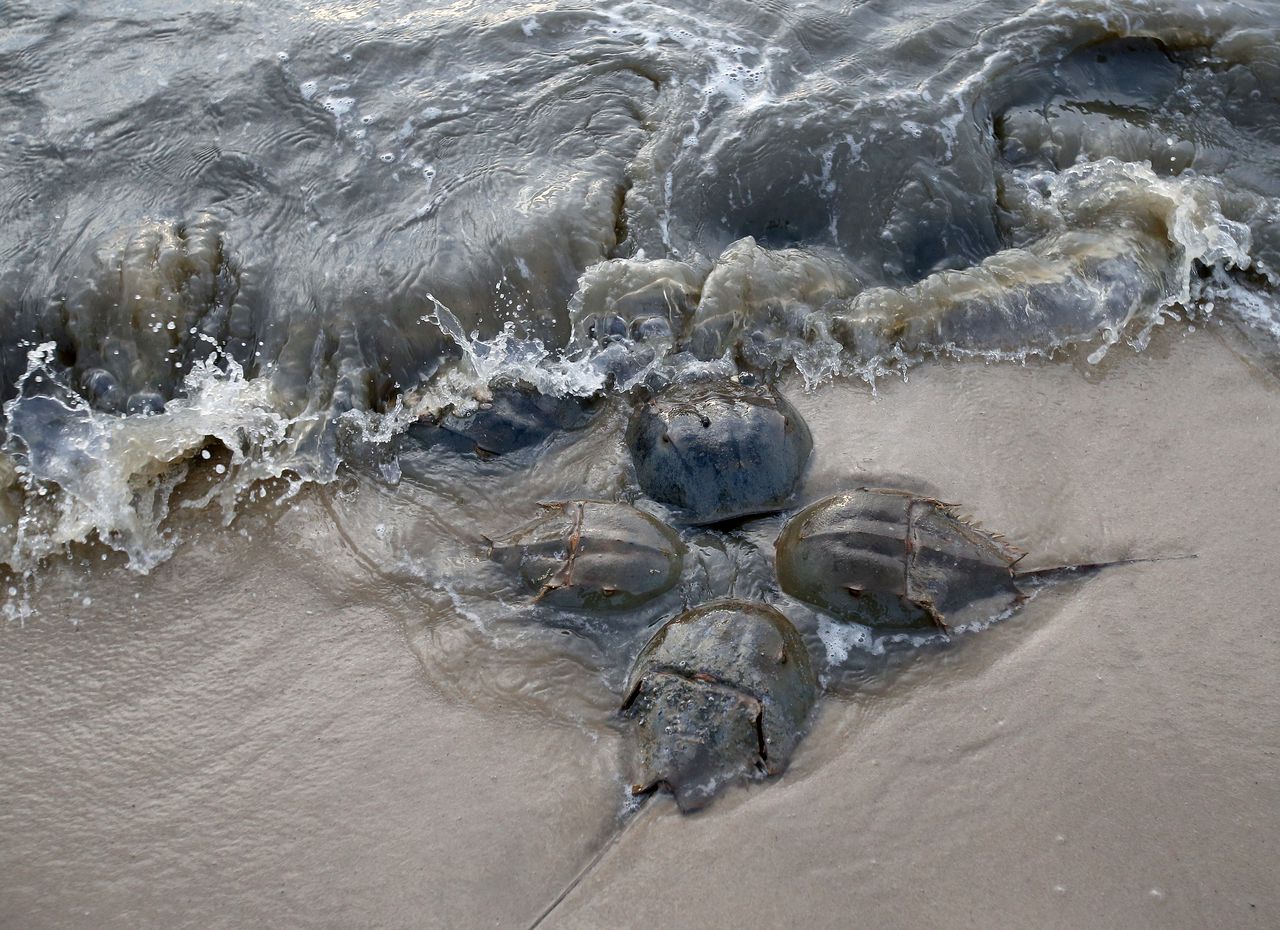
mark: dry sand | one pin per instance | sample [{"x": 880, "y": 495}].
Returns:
[{"x": 244, "y": 739}]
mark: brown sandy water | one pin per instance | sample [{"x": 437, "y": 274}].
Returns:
[{"x": 246, "y": 737}]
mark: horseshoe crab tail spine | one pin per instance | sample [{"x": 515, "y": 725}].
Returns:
[
  {"x": 1061, "y": 572},
  {"x": 629, "y": 818}
]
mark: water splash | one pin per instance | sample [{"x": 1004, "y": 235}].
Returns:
[{"x": 89, "y": 475}]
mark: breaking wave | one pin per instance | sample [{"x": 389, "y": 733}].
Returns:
[{"x": 255, "y": 275}]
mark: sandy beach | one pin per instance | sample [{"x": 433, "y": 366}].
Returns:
[{"x": 245, "y": 738}]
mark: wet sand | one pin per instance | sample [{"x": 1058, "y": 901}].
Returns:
[{"x": 245, "y": 738}]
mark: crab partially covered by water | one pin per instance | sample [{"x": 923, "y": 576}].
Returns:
[
  {"x": 719, "y": 451},
  {"x": 720, "y": 692},
  {"x": 890, "y": 559},
  {"x": 593, "y": 554},
  {"x": 514, "y": 417}
]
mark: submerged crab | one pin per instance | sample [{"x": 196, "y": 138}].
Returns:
[
  {"x": 718, "y": 451},
  {"x": 890, "y": 559},
  {"x": 593, "y": 554},
  {"x": 515, "y": 417},
  {"x": 720, "y": 691}
]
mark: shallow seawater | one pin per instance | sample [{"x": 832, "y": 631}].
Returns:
[{"x": 253, "y": 255}]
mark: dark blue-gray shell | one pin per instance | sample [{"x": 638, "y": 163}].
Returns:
[{"x": 719, "y": 451}]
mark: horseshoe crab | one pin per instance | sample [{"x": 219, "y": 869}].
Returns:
[
  {"x": 514, "y": 418},
  {"x": 720, "y": 691},
  {"x": 718, "y": 451},
  {"x": 890, "y": 559},
  {"x": 593, "y": 554}
]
